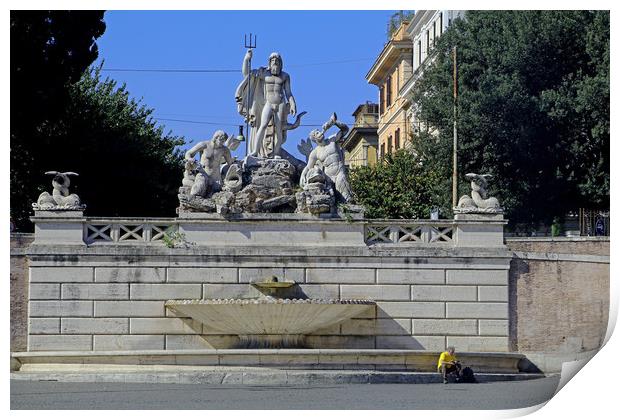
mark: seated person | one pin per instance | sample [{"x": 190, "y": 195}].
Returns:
[{"x": 448, "y": 363}]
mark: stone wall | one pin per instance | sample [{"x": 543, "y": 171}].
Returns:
[
  {"x": 111, "y": 295},
  {"x": 596, "y": 245},
  {"x": 19, "y": 290},
  {"x": 115, "y": 300},
  {"x": 559, "y": 294}
]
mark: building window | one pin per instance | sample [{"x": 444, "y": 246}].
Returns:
[
  {"x": 397, "y": 139},
  {"x": 381, "y": 103},
  {"x": 388, "y": 93},
  {"x": 389, "y": 148},
  {"x": 428, "y": 42},
  {"x": 420, "y": 52},
  {"x": 434, "y": 33},
  {"x": 382, "y": 149},
  {"x": 440, "y": 23}
]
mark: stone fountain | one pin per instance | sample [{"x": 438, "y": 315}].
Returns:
[
  {"x": 279, "y": 318},
  {"x": 99, "y": 287}
]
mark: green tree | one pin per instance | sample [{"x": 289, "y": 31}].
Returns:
[
  {"x": 533, "y": 108},
  {"x": 127, "y": 165},
  {"x": 400, "y": 186},
  {"x": 396, "y": 20},
  {"x": 49, "y": 51}
]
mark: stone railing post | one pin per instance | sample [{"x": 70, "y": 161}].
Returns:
[
  {"x": 480, "y": 230},
  {"x": 58, "y": 227}
]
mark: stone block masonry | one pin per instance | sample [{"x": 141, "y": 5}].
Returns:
[
  {"x": 559, "y": 294},
  {"x": 416, "y": 307},
  {"x": 20, "y": 290},
  {"x": 106, "y": 296}
]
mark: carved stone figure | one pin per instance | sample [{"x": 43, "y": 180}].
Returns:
[
  {"x": 256, "y": 185},
  {"x": 478, "y": 201},
  {"x": 268, "y": 186},
  {"x": 208, "y": 178},
  {"x": 269, "y": 140},
  {"x": 233, "y": 181},
  {"x": 328, "y": 155},
  {"x": 263, "y": 96},
  {"x": 203, "y": 180},
  {"x": 60, "y": 199},
  {"x": 317, "y": 196}
]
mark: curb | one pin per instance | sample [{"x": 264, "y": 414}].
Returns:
[{"x": 262, "y": 377}]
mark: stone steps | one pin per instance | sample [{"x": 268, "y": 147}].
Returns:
[
  {"x": 412, "y": 361},
  {"x": 231, "y": 375}
]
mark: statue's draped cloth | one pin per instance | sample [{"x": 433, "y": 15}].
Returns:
[{"x": 251, "y": 91}]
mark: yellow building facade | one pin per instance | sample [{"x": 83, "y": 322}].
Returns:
[
  {"x": 389, "y": 73},
  {"x": 397, "y": 69},
  {"x": 360, "y": 145},
  {"x": 424, "y": 30}
]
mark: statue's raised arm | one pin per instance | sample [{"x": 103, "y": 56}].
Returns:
[
  {"x": 343, "y": 129},
  {"x": 245, "y": 69}
]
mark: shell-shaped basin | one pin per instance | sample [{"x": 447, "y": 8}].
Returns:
[{"x": 269, "y": 316}]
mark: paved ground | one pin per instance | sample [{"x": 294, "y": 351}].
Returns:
[{"x": 62, "y": 395}]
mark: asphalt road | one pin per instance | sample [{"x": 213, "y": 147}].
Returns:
[{"x": 47, "y": 395}]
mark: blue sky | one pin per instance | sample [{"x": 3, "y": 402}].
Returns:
[{"x": 327, "y": 54}]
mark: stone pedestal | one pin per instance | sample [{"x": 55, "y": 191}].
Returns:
[
  {"x": 480, "y": 230},
  {"x": 58, "y": 227}
]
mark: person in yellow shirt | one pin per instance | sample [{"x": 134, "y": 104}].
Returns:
[{"x": 448, "y": 363}]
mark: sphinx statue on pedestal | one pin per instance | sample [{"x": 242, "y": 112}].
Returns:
[
  {"x": 478, "y": 202},
  {"x": 60, "y": 198}
]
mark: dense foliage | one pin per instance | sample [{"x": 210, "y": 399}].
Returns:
[
  {"x": 49, "y": 51},
  {"x": 533, "y": 109},
  {"x": 398, "y": 187},
  {"x": 65, "y": 118},
  {"x": 128, "y": 166},
  {"x": 396, "y": 20}
]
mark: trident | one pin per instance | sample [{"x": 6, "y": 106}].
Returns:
[{"x": 248, "y": 45}]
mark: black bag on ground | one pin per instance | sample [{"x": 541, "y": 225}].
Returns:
[{"x": 467, "y": 376}]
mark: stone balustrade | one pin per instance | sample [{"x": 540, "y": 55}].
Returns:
[
  {"x": 126, "y": 230},
  {"x": 418, "y": 232},
  {"x": 463, "y": 231}
]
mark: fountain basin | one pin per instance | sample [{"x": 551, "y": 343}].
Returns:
[{"x": 268, "y": 322}]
